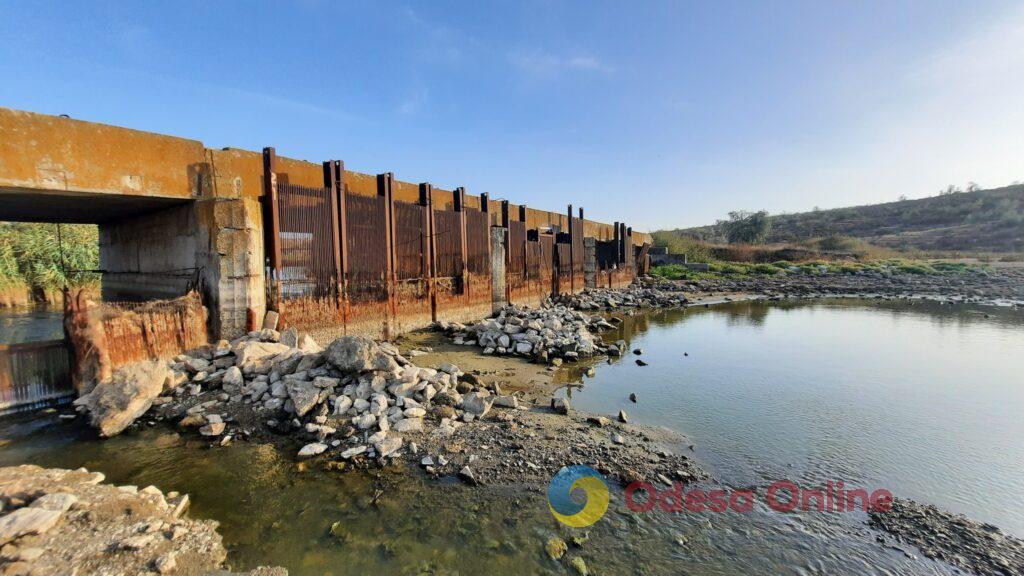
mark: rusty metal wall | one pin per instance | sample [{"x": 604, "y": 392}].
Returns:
[
  {"x": 366, "y": 285},
  {"x": 478, "y": 263},
  {"x": 516, "y": 266},
  {"x": 563, "y": 276},
  {"x": 343, "y": 260},
  {"x": 33, "y": 374},
  {"x": 478, "y": 243},
  {"x": 448, "y": 242},
  {"x": 134, "y": 331},
  {"x": 413, "y": 298},
  {"x": 307, "y": 246},
  {"x": 577, "y": 273},
  {"x": 409, "y": 237}
]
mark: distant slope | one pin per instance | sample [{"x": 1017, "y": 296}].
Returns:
[{"x": 982, "y": 221}]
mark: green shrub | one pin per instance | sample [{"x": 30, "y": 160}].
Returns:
[
  {"x": 765, "y": 269},
  {"x": 670, "y": 271}
]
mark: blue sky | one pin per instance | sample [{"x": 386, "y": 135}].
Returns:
[{"x": 662, "y": 114}]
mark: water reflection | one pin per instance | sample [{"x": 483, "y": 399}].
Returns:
[
  {"x": 30, "y": 325},
  {"x": 918, "y": 397}
]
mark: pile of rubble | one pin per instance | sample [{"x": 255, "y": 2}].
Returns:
[
  {"x": 66, "y": 521},
  {"x": 551, "y": 332},
  {"x": 633, "y": 296},
  {"x": 357, "y": 397}
]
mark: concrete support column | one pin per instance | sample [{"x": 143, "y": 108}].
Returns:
[
  {"x": 590, "y": 262},
  {"x": 498, "y": 299},
  {"x": 232, "y": 258}
]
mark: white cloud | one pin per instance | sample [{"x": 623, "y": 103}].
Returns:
[{"x": 537, "y": 63}]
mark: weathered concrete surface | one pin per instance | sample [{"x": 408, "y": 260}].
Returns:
[
  {"x": 42, "y": 152},
  {"x": 590, "y": 262}
]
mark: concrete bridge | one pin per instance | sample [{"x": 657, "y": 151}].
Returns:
[{"x": 171, "y": 211}]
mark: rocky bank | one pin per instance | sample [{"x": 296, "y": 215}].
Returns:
[
  {"x": 57, "y": 521},
  {"x": 973, "y": 546},
  {"x": 998, "y": 286}
]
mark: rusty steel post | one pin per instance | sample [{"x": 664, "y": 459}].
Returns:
[
  {"x": 331, "y": 184},
  {"x": 385, "y": 188},
  {"x": 459, "y": 200},
  {"x": 427, "y": 199},
  {"x": 504, "y": 213},
  {"x": 272, "y": 229},
  {"x": 339, "y": 179},
  {"x": 572, "y": 256}
]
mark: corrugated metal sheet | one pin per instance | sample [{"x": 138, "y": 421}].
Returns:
[
  {"x": 34, "y": 373},
  {"x": 448, "y": 239}
]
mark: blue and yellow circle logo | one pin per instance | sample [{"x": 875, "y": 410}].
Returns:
[{"x": 566, "y": 509}]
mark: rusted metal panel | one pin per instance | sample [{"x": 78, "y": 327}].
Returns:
[
  {"x": 478, "y": 242},
  {"x": 577, "y": 274},
  {"x": 306, "y": 240},
  {"x": 448, "y": 241},
  {"x": 367, "y": 251},
  {"x": 412, "y": 288},
  {"x": 34, "y": 373},
  {"x": 409, "y": 235}
]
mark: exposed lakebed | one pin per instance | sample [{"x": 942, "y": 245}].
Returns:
[{"x": 917, "y": 398}]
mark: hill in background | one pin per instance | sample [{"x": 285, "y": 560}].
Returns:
[{"x": 980, "y": 221}]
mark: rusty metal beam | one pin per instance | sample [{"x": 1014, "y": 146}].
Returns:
[
  {"x": 272, "y": 231},
  {"x": 427, "y": 199},
  {"x": 339, "y": 179},
  {"x": 385, "y": 188},
  {"x": 460, "y": 207}
]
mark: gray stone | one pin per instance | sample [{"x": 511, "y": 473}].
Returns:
[
  {"x": 290, "y": 338},
  {"x": 254, "y": 357},
  {"x": 270, "y": 320},
  {"x": 304, "y": 395},
  {"x": 560, "y": 405},
  {"x": 408, "y": 425},
  {"x": 212, "y": 429},
  {"x": 233, "y": 377},
  {"x": 312, "y": 449},
  {"x": 358, "y": 354},
  {"x": 57, "y": 501},
  {"x": 355, "y": 450},
  {"x": 24, "y": 521},
  {"x": 115, "y": 403},
  {"x": 477, "y": 404},
  {"x": 388, "y": 446},
  {"x": 341, "y": 405}
]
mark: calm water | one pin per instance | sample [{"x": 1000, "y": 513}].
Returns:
[
  {"x": 919, "y": 399},
  {"x": 923, "y": 400},
  {"x": 30, "y": 325}
]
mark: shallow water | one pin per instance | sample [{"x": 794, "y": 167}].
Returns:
[
  {"x": 913, "y": 398},
  {"x": 922, "y": 399},
  {"x": 30, "y": 324}
]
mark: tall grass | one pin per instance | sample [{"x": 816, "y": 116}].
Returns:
[{"x": 32, "y": 260}]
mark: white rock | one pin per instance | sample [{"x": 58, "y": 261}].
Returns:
[{"x": 312, "y": 449}]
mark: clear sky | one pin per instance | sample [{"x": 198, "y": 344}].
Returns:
[{"x": 661, "y": 114}]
